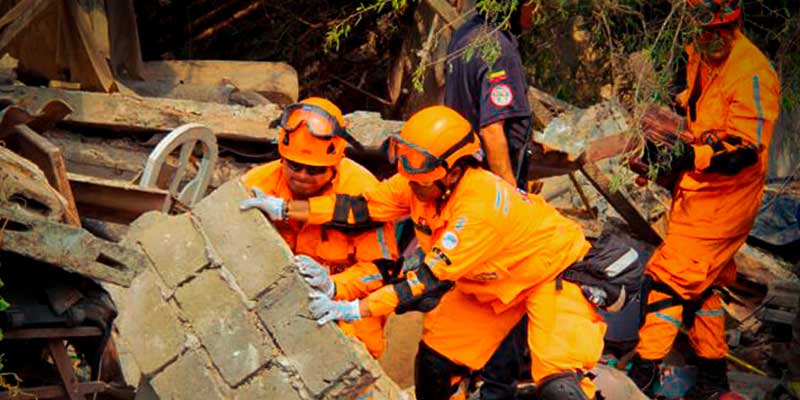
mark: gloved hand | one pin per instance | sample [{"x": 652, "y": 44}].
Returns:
[
  {"x": 325, "y": 310},
  {"x": 315, "y": 274},
  {"x": 273, "y": 206}
]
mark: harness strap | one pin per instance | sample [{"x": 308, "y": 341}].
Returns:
[{"x": 690, "y": 307}]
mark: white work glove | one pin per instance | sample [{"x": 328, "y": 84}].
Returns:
[
  {"x": 273, "y": 206},
  {"x": 315, "y": 274},
  {"x": 325, "y": 310}
]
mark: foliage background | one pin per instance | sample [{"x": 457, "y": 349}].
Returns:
[{"x": 575, "y": 50}]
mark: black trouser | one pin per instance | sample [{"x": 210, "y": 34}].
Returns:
[
  {"x": 433, "y": 371},
  {"x": 501, "y": 372}
]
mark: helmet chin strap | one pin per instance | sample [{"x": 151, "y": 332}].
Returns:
[{"x": 447, "y": 190}]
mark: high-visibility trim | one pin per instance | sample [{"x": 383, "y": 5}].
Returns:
[
  {"x": 498, "y": 199},
  {"x": 710, "y": 313},
  {"x": 371, "y": 278},
  {"x": 757, "y": 99},
  {"x": 672, "y": 320},
  {"x": 382, "y": 241}
]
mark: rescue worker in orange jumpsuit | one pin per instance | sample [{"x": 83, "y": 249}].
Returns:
[
  {"x": 343, "y": 263},
  {"x": 731, "y": 102},
  {"x": 492, "y": 255}
]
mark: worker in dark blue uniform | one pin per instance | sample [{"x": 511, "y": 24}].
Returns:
[{"x": 493, "y": 97}]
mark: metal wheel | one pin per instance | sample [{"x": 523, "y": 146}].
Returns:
[{"x": 184, "y": 137}]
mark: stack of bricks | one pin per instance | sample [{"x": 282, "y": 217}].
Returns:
[{"x": 222, "y": 314}]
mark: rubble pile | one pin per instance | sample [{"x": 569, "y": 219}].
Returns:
[{"x": 222, "y": 312}]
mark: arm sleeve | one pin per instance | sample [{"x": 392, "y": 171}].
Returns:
[
  {"x": 364, "y": 276},
  {"x": 504, "y": 92},
  {"x": 469, "y": 241},
  {"x": 388, "y": 201},
  {"x": 754, "y": 109},
  {"x": 752, "y": 114}
]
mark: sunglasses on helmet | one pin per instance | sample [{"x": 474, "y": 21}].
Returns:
[
  {"x": 707, "y": 10},
  {"x": 319, "y": 123},
  {"x": 311, "y": 170},
  {"x": 416, "y": 160}
]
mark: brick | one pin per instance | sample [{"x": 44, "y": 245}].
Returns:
[
  {"x": 149, "y": 325},
  {"x": 224, "y": 326},
  {"x": 249, "y": 247},
  {"x": 188, "y": 377},
  {"x": 326, "y": 360},
  {"x": 270, "y": 384},
  {"x": 174, "y": 244}
]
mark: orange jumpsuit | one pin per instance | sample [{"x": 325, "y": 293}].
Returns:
[
  {"x": 503, "y": 250},
  {"x": 349, "y": 257},
  {"x": 712, "y": 213}
]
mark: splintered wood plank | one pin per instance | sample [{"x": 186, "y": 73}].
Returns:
[
  {"x": 276, "y": 81},
  {"x": 18, "y": 18},
  {"x": 139, "y": 114},
  {"x": 638, "y": 224},
  {"x": 49, "y": 158}
]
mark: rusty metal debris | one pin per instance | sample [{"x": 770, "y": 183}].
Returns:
[{"x": 68, "y": 247}]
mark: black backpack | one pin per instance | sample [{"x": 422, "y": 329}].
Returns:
[{"x": 611, "y": 274}]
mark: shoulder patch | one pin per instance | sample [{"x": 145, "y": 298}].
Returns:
[
  {"x": 449, "y": 240},
  {"x": 501, "y": 95}
]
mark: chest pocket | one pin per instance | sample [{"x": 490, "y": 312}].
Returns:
[{"x": 336, "y": 250}]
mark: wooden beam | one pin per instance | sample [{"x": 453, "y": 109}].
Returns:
[
  {"x": 87, "y": 64},
  {"x": 639, "y": 225},
  {"x": 49, "y": 158},
  {"x": 115, "y": 201},
  {"x": 277, "y": 81},
  {"x": 49, "y": 333},
  {"x": 138, "y": 114},
  {"x": 18, "y": 18},
  {"x": 446, "y": 11}
]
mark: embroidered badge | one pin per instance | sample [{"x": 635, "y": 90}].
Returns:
[
  {"x": 501, "y": 95},
  {"x": 497, "y": 76},
  {"x": 485, "y": 276},
  {"x": 449, "y": 240}
]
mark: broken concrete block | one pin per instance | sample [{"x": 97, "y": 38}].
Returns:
[
  {"x": 188, "y": 377},
  {"x": 221, "y": 321},
  {"x": 147, "y": 323},
  {"x": 174, "y": 244},
  {"x": 272, "y": 383},
  {"x": 310, "y": 347},
  {"x": 239, "y": 326},
  {"x": 249, "y": 247}
]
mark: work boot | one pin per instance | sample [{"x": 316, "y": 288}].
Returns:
[
  {"x": 645, "y": 374},
  {"x": 712, "y": 381}
]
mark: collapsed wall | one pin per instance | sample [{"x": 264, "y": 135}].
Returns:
[{"x": 222, "y": 314}]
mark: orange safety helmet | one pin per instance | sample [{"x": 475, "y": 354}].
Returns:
[
  {"x": 714, "y": 12},
  {"x": 431, "y": 141},
  {"x": 313, "y": 133}
]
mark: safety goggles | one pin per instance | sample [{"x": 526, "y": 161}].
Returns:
[
  {"x": 706, "y": 11},
  {"x": 311, "y": 170},
  {"x": 416, "y": 160},
  {"x": 317, "y": 121}
]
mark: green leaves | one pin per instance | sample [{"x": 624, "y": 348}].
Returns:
[{"x": 341, "y": 28}]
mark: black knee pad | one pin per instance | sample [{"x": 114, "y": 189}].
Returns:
[
  {"x": 563, "y": 386},
  {"x": 433, "y": 373}
]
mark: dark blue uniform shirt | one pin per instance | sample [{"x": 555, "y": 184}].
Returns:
[{"x": 484, "y": 93}]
